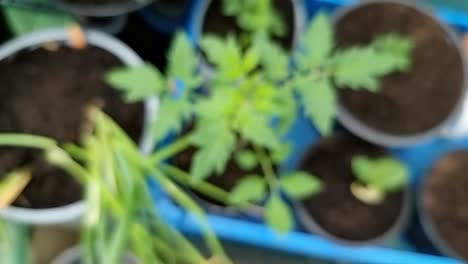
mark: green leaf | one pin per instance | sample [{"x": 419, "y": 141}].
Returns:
[
  {"x": 170, "y": 118},
  {"x": 300, "y": 185},
  {"x": 246, "y": 160},
  {"x": 137, "y": 82},
  {"x": 12, "y": 185},
  {"x": 216, "y": 143},
  {"x": 386, "y": 174},
  {"x": 183, "y": 60},
  {"x": 278, "y": 215},
  {"x": 22, "y": 21},
  {"x": 224, "y": 54},
  {"x": 258, "y": 130},
  {"x": 214, "y": 48},
  {"x": 273, "y": 58},
  {"x": 318, "y": 41},
  {"x": 319, "y": 101},
  {"x": 361, "y": 67},
  {"x": 253, "y": 188},
  {"x": 280, "y": 153},
  {"x": 251, "y": 59}
]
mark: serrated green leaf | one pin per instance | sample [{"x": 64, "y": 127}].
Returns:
[
  {"x": 386, "y": 174},
  {"x": 246, "y": 160},
  {"x": 318, "y": 41},
  {"x": 300, "y": 185},
  {"x": 253, "y": 188},
  {"x": 361, "y": 67},
  {"x": 319, "y": 101},
  {"x": 278, "y": 215},
  {"x": 137, "y": 82},
  {"x": 183, "y": 61},
  {"x": 170, "y": 118},
  {"x": 258, "y": 130},
  {"x": 216, "y": 143},
  {"x": 273, "y": 58},
  {"x": 22, "y": 21},
  {"x": 251, "y": 59},
  {"x": 226, "y": 55},
  {"x": 213, "y": 47}
]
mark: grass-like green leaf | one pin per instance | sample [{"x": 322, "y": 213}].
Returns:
[
  {"x": 250, "y": 189},
  {"x": 386, "y": 174},
  {"x": 246, "y": 160},
  {"x": 278, "y": 215},
  {"x": 137, "y": 82},
  {"x": 319, "y": 101},
  {"x": 300, "y": 185},
  {"x": 12, "y": 185}
]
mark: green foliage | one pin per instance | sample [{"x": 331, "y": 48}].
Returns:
[
  {"x": 176, "y": 90},
  {"x": 22, "y": 21},
  {"x": 258, "y": 16},
  {"x": 320, "y": 64},
  {"x": 253, "y": 188},
  {"x": 300, "y": 185},
  {"x": 385, "y": 174},
  {"x": 246, "y": 159},
  {"x": 278, "y": 215}
]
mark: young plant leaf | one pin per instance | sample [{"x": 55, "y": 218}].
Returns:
[
  {"x": 12, "y": 185},
  {"x": 183, "y": 61},
  {"x": 246, "y": 160},
  {"x": 319, "y": 101},
  {"x": 300, "y": 185},
  {"x": 273, "y": 59},
  {"x": 171, "y": 116},
  {"x": 317, "y": 43},
  {"x": 257, "y": 129},
  {"x": 137, "y": 82},
  {"x": 253, "y": 188},
  {"x": 386, "y": 174},
  {"x": 216, "y": 144},
  {"x": 397, "y": 48},
  {"x": 280, "y": 153},
  {"x": 278, "y": 215}
]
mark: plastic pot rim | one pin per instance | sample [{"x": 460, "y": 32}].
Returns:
[{"x": 72, "y": 212}]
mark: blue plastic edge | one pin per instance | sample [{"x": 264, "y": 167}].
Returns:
[{"x": 418, "y": 158}]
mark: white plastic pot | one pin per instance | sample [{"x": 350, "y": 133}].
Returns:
[
  {"x": 73, "y": 256},
  {"x": 71, "y": 213}
]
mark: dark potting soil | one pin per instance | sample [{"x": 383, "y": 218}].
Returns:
[
  {"x": 219, "y": 24},
  {"x": 335, "y": 209},
  {"x": 45, "y": 92},
  {"x": 446, "y": 200},
  {"x": 414, "y": 101},
  {"x": 226, "y": 181}
]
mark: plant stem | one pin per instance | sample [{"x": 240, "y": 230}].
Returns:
[
  {"x": 267, "y": 167},
  {"x": 172, "y": 149}
]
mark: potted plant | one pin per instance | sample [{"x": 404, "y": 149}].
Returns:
[
  {"x": 442, "y": 206},
  {"x": 121, "y": 216},
  {"x": 48, "y": 104},
  {"x": 366, "y": 195},
  {"x": 397, "y": 115}
]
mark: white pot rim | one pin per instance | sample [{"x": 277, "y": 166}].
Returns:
[{"x": 72, "y": 212}]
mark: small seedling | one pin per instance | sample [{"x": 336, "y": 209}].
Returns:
[
  {"x": 321, "y": 67},
  {"x": 376, "y": 178},
  {"x": 259, "y": 16}
]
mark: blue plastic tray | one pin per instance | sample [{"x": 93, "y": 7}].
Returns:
[{"x": 303, "y": 135}]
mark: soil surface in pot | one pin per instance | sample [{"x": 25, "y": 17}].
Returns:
[
  {"x": 446, "y": 200},
  {"x": 335, "y": 209},
  {"x": 45, "y": 92},
  {"x": 217, "y": 23},
  {"x": 226, "y": 181},
  {"x": 414, "y": 101}
]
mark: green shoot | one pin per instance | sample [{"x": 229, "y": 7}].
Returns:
[
  {"x": 377, "y": 177},
  {"x": 320, "y": 65},
  {"x": 13, "y": 185},
  {"x": 258, "y": 16}
]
